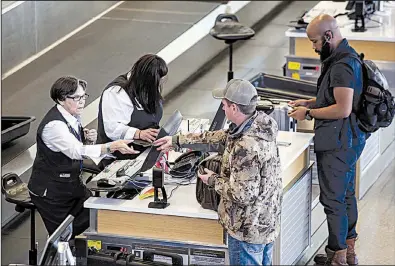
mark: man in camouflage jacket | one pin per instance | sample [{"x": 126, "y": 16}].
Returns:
[{"x": 249, "y": 183}]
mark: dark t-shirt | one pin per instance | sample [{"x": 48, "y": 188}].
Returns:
[{"x": 342, "y": 75}]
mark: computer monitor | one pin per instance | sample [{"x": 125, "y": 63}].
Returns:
[
  {"x": 350, "y": 5},
  {"x": 62, "y": 234},
  {"x": 168, "y": 129}
]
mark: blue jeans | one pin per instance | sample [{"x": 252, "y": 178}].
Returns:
[
  {"x": 336, "y": 176},
  {"x": 243, "y": 253}
]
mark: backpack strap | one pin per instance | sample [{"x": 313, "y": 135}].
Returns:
[{"x": 359, "y": 58}]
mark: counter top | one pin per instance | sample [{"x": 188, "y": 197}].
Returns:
[
  {"x": 384, "y": 31},
  {"x": 183, "y": 201}
]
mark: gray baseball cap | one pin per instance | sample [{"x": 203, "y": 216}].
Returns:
[{"x": 239, "y": 91}]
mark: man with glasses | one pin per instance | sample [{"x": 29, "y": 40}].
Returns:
[{"x": 55, "y": 185}]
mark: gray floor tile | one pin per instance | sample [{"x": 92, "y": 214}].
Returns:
[
  {"x": 22, "y": 229},
  {"x": 250, "y": 56},
  {"x": 198, "y": 6},
  {"x": 216, "y": 77},
  {"x": 16, "y": 250},
  {"x": 276, "y": 59},
  {"x": 136, "y": 14},
  {"x": 194, "y": 103},
  {"x": 272, "y": 35},
  {"x": 294, "y": 9}
]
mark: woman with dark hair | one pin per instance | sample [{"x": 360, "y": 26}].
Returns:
[
  {"x": 131, "y": 106},
  {"x": 55, "y": 185}
]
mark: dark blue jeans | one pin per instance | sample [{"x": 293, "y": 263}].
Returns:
[
  {"x": 336, "y": 176},
  {"x": 243, "y": 253}
]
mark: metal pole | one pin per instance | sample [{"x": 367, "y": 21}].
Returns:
[
  {"x": 70, "y": 256},
  {"x": 62, "y": 253},
  {"x": 33, "y": 248},
  {"x": 230, "y": 72}
]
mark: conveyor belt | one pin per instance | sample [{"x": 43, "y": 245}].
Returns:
[{"x": 98, "y": 53}]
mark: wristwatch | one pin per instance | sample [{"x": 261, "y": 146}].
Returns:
[
  {"x": 175, "y": 142},
  {"x": 108, "y": 149},
  {"x": 308, "y": 116}
]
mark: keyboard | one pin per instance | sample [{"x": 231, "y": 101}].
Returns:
[{"x": 129, "y": 167}]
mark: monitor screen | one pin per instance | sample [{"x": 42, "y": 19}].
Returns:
[
  {"x": 350, "y": 5},
  {"x": 168, "y": 129},
  {"x": 62, "y": 234}
]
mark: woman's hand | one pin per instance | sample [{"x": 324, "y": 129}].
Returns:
[
  {"x": 90, "y": 135},
  {"x": 148, "y": 134},
  {"x": 122, "y": 147}
]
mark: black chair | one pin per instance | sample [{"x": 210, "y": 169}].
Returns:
[
  {"x": 228, "y": 28},
  {"x": 15, "y": 191}
]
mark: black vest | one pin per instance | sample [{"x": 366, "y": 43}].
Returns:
[
  {"x": 54, "y": 174},
  {"x": 139, "y": 119}
]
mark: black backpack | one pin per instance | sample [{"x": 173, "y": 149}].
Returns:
[{"x": 376, "y": 107}]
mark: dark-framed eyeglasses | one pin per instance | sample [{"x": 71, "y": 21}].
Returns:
[{"x": 78, "y": 98}]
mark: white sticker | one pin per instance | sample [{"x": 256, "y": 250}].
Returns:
[
  {"x": 207, "y": 257},
  {"x": 164, "y": 259}
]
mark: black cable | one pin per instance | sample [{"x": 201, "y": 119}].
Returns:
[
  {"x": 178, "y": 185},
  {"x": 135, "y": 184},
  {"x": 171, "y": 192},
  {"x": 341, "y": 14},
  {"x": 375, "y": 21}
]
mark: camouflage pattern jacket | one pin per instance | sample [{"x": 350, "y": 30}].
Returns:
[{"x": 250, "y": 184}]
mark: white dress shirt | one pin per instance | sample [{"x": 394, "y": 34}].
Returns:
[
  {"x": 117, "y": 109},
  {"x": 58, "y": 138}
]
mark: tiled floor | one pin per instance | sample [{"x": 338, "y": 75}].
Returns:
[{"x": 264, "y": 53}]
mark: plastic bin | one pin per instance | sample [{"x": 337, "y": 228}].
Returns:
[
  {"x": 278, "y": 87},
  {"x": 14, "y": 127}
]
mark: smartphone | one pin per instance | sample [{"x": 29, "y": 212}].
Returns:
[
  {"x": 142, "y": 143},
  {"x": 284, "y": 143},
  {"x": 291, "y": 106}
]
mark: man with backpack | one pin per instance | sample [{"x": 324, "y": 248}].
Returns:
[{"x": 339, "y": 141}]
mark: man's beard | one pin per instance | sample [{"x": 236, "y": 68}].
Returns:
[{"x": 325, "y": 51}]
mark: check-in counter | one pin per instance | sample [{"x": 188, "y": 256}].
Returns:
[
  {"x": 377, "y": 42},
  {"x": 185, "y": 228}
]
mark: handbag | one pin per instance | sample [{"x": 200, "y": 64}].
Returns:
[{"x": 207, "y": 197}]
